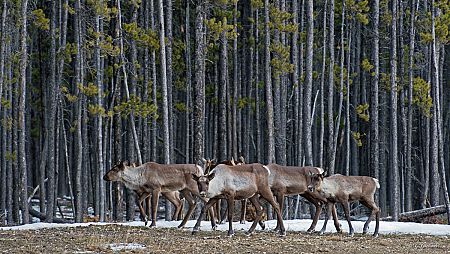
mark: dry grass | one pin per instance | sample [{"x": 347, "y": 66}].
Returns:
[{"x": 97, "y": 239}]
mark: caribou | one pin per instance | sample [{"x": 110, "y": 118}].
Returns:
[
  {"x": 345, "y": 189},
  {"x": 143, "y": 194},
  {"x": 210, "y": 165},
  {"x": 292, "y": 180},
  {"x": 155, "y": 178},
  {"x": 248, "y": 181}
]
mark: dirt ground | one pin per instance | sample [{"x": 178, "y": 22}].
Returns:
[{"x": 101, "y": 239}]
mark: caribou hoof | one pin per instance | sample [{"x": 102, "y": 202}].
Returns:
[
  {"x": 310, "y": 231},
  {"x": 214, "y": 228},
  {"x": 153, "y": 225},
  {"x": 230, "y": 233},
  {"x": 350, "y": 234},
  {"x": 321, "y": 232},
  {"x": 242, "y": 222},
  {"x": 248, "y": 233},
  {"x": 282, "y": 233},
  {"x": 375, "y": 235},
  {"x": 262, "y": 225},
  {"x": 195, "y": 230}
]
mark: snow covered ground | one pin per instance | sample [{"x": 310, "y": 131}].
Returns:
[{"x": 386, "y": 227}]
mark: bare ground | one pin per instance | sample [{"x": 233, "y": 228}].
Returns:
[{"x": 98, "y": 239}]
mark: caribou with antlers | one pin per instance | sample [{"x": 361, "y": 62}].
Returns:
[{"x": 155, "y": 178}]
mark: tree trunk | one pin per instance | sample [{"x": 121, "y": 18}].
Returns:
[
  {"x": 331, "y": 147},
  {"x": 258, "y": 147},
  {"x": 199, "y": 89},
  {"x": 322, "y": 85},
  {"x": 99, "y": 81},
  {"x": 22, "y": 160},
  {"x": 409, "y": 172},
  {"x": 347, "y": 102},
  {"x": 188, "y": 82},
  {"x": 223, "y": 148},
  {"x": 169, "y": 77},
  {"x": 437, "y": 122},
  {"x": 268, "y": 84},
  {"x": 308, "y": 84},
  {"x": 394, "y": 196},
  {"x": 374, "y": 106}
]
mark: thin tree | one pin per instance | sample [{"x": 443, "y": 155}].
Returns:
[
  {"x": 199, "y": 89},
  {"x": 164, "y": 90},
  {"x": 322, "y": 85},
  {"x": 188, "y": 81},
  {"x": 331, "y": 147},
  {"x": 394, "y": 196},
  {"x": 99, "y": 81},
  {"x": 308, "y": 83},
  {"x": 22, "y": 157},
  {"x": 268, "y": 85},
  {"x": 374, "y": 130},
  {"x": 436, "y": 120},
  {"x": 223, "y": 145},
  {"x": 408, "y": 180}
]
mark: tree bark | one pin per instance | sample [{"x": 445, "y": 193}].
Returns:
[
  {"x": 223, "y": 148},
  {"x": 21, "y": 111},
  {"x": 374, "y": 105},
  {"x": 331, "y": 147},
  {"x": 268, "y": 86},
  {"x": 394, "y": 196},
  {"x": 308, "y": 84},
  {"x": 199, "y": 90}
]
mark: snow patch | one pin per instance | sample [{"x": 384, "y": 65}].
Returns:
[
  {"x": 126, "y": 246},
  {"x": 386, "y": 227}
]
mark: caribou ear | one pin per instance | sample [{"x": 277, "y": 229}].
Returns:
[
  {"x": 211, "y": 176},
  {"x": 325, "y": 173},
  {"x": 195, "y": 177},
  {"x": 133, "y": 164},
  {"x": 203, "y": 160},
  {"x": 241, "y": 159},
  {"x": 310, "y": 173},
  {"x": 214, "y": 161},
  {"x": 126, "y": 163},
  {"x": 233, "y": 163}
]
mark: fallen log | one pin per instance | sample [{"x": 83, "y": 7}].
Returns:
[
  {"x": 42, "y": 216},
  {"x": 422, "y": 213}
]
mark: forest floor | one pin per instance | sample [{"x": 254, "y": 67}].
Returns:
[{"x": 120, "y": 239}]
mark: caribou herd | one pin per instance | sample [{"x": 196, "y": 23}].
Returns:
[{"x": 230, "y": 181}]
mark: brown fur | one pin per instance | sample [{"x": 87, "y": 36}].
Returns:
[
  {"x": 344, "y": 189},
  {"x": 236, "y": 183},
  {"x": 155, "y": 178},
  {"x": 293, "y": 180},
  {"x": 209, "y": 165}
]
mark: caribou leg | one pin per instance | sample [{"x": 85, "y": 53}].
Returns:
[
  {"x": 243, "y": 210},
  {"x": 316, "y": 215},
  {"x": 267, "y": 195},
  {"x": 346, "y": 206},
  {"x": 208, "y": 205},
  {"x": 141, "y": 198},
  {"x": 230, "y": 203},
  {"x": 155, "y": 199},
  {"x": 375, "y": 211},
  {"x": 280, "y": 200},
  {"x": 191, "y": 201},
  {"x": 337, "y": 225},
  {"x": 329, "y": 211},
  {"x": 175, "y": 200},
  {"x": 259, "y": 213}
]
